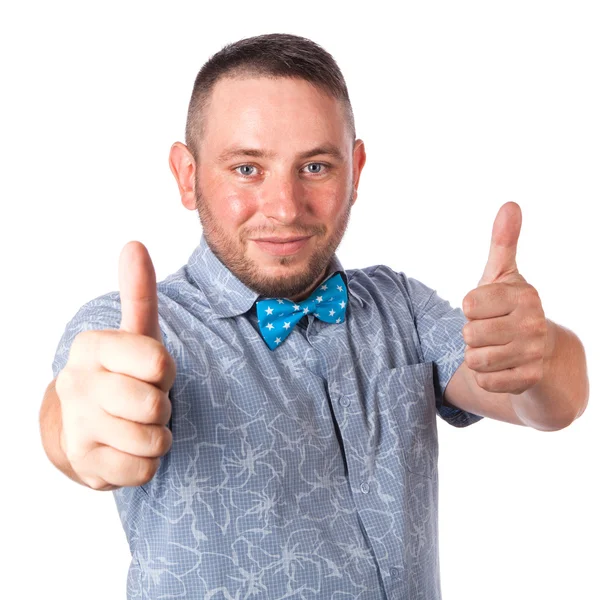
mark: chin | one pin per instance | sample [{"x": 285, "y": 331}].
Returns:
[{"x": 266, "y": 263}]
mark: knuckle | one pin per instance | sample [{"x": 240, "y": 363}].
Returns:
[
  {"x": 77, "y": 451},
  {"x": 95, "y": 483},
  {"x": 537, "y": 353},
  {"x": 532, "y": 292},
  {"x": 482, "y": 380},
  {"x": 470, "y": 360},
  {"x": 168, "y": 409},
  {"x": 542, "y": 326},
  {"x": 152, "y": 442},
  {"x": 531, "y": 296},
  {"x": 529, "y": 379},
  {"x": 536, "y": 375},
  {"x": 172, "y": 370},
  {"x": 160, "y": 364},
  {"x": 467, "y": 304},
  {"x": 146, "y": 469},
  {"x": 167, "y": 440},
  {"x": 528, "y": 324},
  {"x": 160, "y": 440},
  {"x": 486, "y": 359},
  {"x": 153, "y": 404},
  {"x": 467, "y": 331}
]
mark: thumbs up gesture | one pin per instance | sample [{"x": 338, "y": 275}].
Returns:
[
  {"x": 114, "y": 388},
  {"x": 507, "y": 331}
]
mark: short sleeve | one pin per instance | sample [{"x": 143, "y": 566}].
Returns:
[
  {"x": 103, "y": 312},
  {"x": 439, "y": 327}
]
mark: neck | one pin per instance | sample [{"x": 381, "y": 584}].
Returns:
[{"x": 309, "y": 290}]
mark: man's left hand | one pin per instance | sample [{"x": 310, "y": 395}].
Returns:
[{"x": 507, "y": 332}]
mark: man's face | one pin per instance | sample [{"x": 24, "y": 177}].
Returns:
[{"x": 275, "y": 215}]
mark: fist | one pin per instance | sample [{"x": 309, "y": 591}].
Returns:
[
  {"x": 114, "y": 389},
  {"x": 507, "y": 332}
]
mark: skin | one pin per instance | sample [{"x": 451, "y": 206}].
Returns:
[
  {"x": 115, "y": 436},
  {"x": 280, "y": 194}
]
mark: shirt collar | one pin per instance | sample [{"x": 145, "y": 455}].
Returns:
[{"x": 225, "y": 293}]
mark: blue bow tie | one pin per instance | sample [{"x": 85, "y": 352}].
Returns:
[{"x": 278, "y": 316}]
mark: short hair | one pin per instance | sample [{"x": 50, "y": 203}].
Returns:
[{"x": 270, "y": 55}]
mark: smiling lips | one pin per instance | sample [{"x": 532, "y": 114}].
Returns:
[{"x": 281, "y": 246}]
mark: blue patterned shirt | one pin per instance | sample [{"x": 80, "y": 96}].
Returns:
[{"x": 305, "y": 472}]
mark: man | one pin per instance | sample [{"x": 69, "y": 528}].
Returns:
[{"x": 265, "y": 418}]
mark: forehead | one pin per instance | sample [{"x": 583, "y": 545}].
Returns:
[{"x": 272, "y": 112}]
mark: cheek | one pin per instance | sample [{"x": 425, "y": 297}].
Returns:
[
  {"x": 236, "y": 207},
  {"x": 229, "y": 204},
  {"x": 329, "y": 203},
  {"x": 232, "y": 207}
]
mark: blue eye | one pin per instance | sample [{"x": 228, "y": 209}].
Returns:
[
  {"x": 245, "y": 167},
  {"x": 320, "y": 165},
  {"x": 248, "y": 169}
]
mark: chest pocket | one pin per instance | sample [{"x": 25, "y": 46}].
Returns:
[{"x": 406, "y": 397}]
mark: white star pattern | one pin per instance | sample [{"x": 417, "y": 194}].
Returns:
[
  {"x": 259, "y": 411},
  {"x": 288, "y": 308}
]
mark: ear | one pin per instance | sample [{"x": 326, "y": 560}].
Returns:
[
  {"x": 183, "y": 167},
  {"x": 359, "y": 157}
]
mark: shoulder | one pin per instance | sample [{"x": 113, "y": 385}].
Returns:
[
  {"x": 101, "y": 312},
  {"x": 384, "y": 285},
  {"x": 104, "y": 312}
]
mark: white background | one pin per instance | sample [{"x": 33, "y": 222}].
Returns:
[{"x": 462, "y": 107}]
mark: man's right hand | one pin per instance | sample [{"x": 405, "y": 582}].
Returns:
[{"x": 114, "y": 388}]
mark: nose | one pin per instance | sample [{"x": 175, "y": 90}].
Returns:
[{"x": 281, "y": 199}]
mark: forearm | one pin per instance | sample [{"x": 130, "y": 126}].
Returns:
[
  {"x": 562, "y": 394},
  {"x": 50, "y": 430}
]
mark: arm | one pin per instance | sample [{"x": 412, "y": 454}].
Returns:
[
  {"x": 513, "y": 349},
  {"x": 553, "y": 403}
]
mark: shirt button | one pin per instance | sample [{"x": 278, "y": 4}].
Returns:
[
  {"x": 394, "y": 572},
  {"x": 364, "y": 487},
  {"x": 344, "y": 401}
]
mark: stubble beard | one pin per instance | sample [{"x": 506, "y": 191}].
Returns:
[{"x": 232, "y": 254}]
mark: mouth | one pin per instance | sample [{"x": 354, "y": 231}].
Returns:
[{"x": 281, "y": 246}]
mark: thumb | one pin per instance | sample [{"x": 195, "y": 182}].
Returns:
[
  {"x": 502, "y": 259},
  {"x": 137, "y": 288}
]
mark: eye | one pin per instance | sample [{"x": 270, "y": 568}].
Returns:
[
  {"x": 321, "y": 166},
  {"x": 246, "y": 167}
]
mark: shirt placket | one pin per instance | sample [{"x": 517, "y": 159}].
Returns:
[{"x": 332, "y": 342}]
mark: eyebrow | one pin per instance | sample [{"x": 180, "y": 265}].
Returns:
[{"x": 327, "y": 149}]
